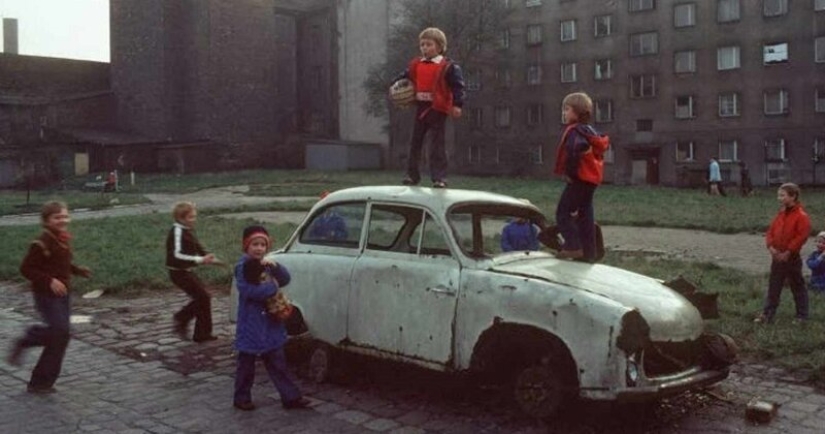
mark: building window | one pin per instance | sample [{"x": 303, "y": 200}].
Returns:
[
  {"x": 684, "y": 151},
  {"x": 774, "y": 8},
  {"x": 504, "y": 39},
  {"x": 819, "y": 106},
  {"x": 776, "y": 102},
  {"x": 643, "y": 86},
  {"x": 684, "y": 15},
  {"x": 497, "y": 158},
  {"x": 534, "y": 34},
  {"x": 604, "y": 110},
  {"x": 503, "y": 117},
  {"x": 535, "y": 114},
  {"x": 503, "y": 78},
  {"x": 603, "y": 25},
  {"x": 819, "y": 5},
  {"x": 728, "y": 104},
  {"x": 476, "y": 118},
  {"x": 642, "y": 44},
  {"x": 819, "y": 49},
  {"x": 727, "y": 11},
  {"x": 644, "y": 125},
  {"x": 604, "y": 69},
  {"x": 684, "y": 62},
  {"x": 473, "y": 79},
  {"x": 534, "y": 75},
  {"x": 685, "y": 107},
  {"x": 775, "y": 53},
  {"x": 474, "y": 154},
  {"x": 568, "y": 72},
  {"x": 727, "y": 58},
  {"x": 728, "y": 150},
  {"x": 775, "y": 150},
  {"x": 537, "y": 155},
  {"x": 641, "y": 5},
  {"x": 568, "y": 30},
  {"x": 506, "y": 4},
  {"x": 532, "y": 3}
]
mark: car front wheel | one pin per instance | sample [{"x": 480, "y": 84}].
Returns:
[{"x": 540, "y": 391}]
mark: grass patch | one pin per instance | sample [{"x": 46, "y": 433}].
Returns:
[
  {"x": 15, "y": 202},
  {"x": 740, "y": 300}
]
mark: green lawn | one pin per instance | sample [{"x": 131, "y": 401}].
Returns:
[{"x": 19, "y": 202}]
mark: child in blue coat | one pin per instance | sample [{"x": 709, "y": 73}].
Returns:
[
  {"x": 258, "y": 335},
  {"x": 816, "y": 262}
]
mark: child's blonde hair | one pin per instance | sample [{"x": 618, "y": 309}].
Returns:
[
  {"x": 51, "y": 208},
  {"x": 182, "y": 209},
  {"x": 820, "y": 235},
  {"x": 792, "y": 190},
  {"x": 581, "y": 103},
  {"x": 436, "y": 35}
]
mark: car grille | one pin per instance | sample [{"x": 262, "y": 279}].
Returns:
[{"x": 665, "y": 358}]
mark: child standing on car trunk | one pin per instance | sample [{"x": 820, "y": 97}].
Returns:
[
  {"x": 788, "y": 232},
  {"x": 439, "y": 93},
  {"x": 48, "y": 266},
  {"x": 257, "y": 335},
  {"x": 580, "y": 162}
]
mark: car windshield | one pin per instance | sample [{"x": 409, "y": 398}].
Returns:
[{"x": 487, "y": 230}]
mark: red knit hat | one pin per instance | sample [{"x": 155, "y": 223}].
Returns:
[{"x": 255, "y": 231}]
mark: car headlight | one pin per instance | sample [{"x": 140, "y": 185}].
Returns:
[{"x": 632, "y": 370}]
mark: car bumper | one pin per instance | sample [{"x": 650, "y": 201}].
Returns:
[{"x": 664, "y": 386}]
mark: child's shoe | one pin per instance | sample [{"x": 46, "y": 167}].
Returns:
[
  {"x": 296, "y": 404},
  {"x": 570, "y": 254},
  {"x": 761, "y": 319},
  {"x": 245, "y": 406},
  {"x": 439, "y": 184}
]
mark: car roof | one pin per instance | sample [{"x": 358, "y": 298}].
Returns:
[{"x": 437, "y": 199}]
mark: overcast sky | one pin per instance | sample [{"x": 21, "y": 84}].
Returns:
[{"x": 76, "y": 29}]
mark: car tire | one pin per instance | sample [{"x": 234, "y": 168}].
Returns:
[{"x": 540, "y": 391}]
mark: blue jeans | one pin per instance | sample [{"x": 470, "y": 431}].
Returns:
[
  {"x": 275, "y": 364},
  {"x": 791, "y": 270},
  {"x": 427, "y": 119},
  {"x": 575, "y": 219},
  {"x": 53, "y": 337}
]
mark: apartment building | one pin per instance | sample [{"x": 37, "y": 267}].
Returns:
[{"x": 674, "y": 83}]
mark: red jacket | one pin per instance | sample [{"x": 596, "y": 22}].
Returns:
[
  {"x": 589, "y": 153},
  {"x": 789, "y": 230},
  {"x": 442, "y": 94}
]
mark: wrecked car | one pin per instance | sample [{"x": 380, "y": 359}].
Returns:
[{"x": 417, "y": 275}]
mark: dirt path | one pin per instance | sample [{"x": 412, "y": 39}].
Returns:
[{"x": 740, "y": 251}]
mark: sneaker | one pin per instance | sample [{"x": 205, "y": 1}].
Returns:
[
  {"x": 439, "y": 184},
  {"x": 409, "y": 181},
  {"x": 761, "y": 319},
  {"x": 245, "y": 406},
  {"x": 296, "y": 404},
  {"x": 205, "y": 339},
  {"x": 16, "y": 353},
  {"x": 570, "y": 254},
  {"x": 40, "y": 390}
]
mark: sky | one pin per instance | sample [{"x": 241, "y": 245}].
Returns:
[{"x": 74, "y": 29}]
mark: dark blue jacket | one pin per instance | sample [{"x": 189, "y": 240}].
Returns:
[
  {"x": 519, "y": 236},
  {"x": 576, "y": 145},
  {"x": 256, "y": 332},
  {"x": 817, "y": 266}
]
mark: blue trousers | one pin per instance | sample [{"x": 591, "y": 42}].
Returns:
[
  {"x": 575, "y": 219},
  {"x": 275, "y": 364},
  {"x": 791, "y": 270},
  {"x": 53, "y": 337}
]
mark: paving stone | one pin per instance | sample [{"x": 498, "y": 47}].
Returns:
[
  {"x": 381, "y": 425},
  {"x": 353, "y": 416},
  {"x": 803, "y": 407}
]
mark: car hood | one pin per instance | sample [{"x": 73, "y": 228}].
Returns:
[{"x": 670, "y": 316}]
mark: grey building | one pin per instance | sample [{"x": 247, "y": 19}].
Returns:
[{"x": 674, "y": 83}]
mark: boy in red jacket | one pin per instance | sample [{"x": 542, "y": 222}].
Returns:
[
  {"x": 439, "y": 92},
  {"x": 580, "y": 162},
  {"x": 788, "y": 232}
]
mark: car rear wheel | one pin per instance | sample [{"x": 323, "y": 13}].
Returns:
[
  {"x": 540, "y": 391},
  {"x": 319, "y": 363}
]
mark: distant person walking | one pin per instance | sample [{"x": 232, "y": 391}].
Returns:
[
  {"x": 715, "y": 178},
  {"x": 439, "y": 93},
  {"x": 183, "y": 253},
  {"x": 745, "y": 184},
  {"x": 48, "y": 266},
  {"x": 787, "y": 234}
]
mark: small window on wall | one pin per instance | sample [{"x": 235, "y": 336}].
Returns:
[
  {"x": 502, "y": 117},
  {"x": 728, "y": 104},
  {"x": 641, "y": 5},
  {"x": 775, "y": 53},
  {"x": 684, "y": 62},
  {"x": 819, "y": 5},
  {"x": 604, "y": 110},
  {"x": 775, "y": 150},
  {"x": 776, "y": 102},
  {"x": 684, "y": 151},
  {"x": 774, "y": 8},
  {"x": 603, "y": 70},
  {"x": 533, "y": 75},
  {"x": 819, "y": 49},
  {"x": 477, "y": 118},
  {"x": 568, "y": 73},
  {"x": 644, "y": 125},
  {"x": 473, "y": 79},
  {"x": 819, "y": 106},
  {"x": 504, "y": 39},
  {"x": 727, "y": 58},
  {"x": 643, "y": 86},
  {"x": 503, "y": 78},
  {"x": 474, "y": 154},
  {"x": 728, "y": 151},
  {"x": 643, "y": 44},
  {"x": 684, "y": 15},
  {"x": 537, "y": 155},
  {"x": 727, "y": 11},
  {"x": 532, "y": 3},
  {"x": 568, "y": 30},
  {"x": 684, "y": 107},
  {"x": 603, "y": 25},
  {"x": 534, "y": 34},
  {"x": 535, "y": 114}
]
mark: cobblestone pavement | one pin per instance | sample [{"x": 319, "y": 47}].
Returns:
[{"x": 126, "y": 372}]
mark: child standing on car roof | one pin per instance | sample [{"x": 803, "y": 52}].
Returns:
[{"x": 580, "y": 162}]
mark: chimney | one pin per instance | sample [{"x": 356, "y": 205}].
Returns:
[{"x": 10, "y": 36}]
